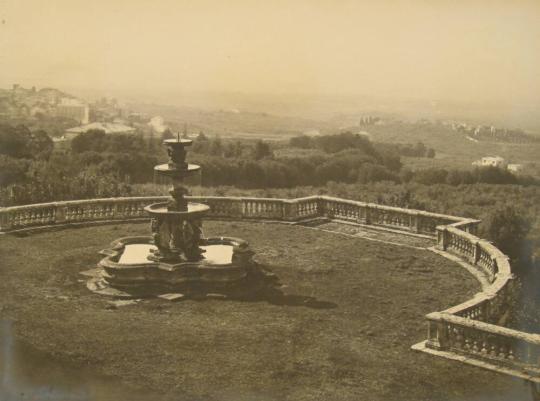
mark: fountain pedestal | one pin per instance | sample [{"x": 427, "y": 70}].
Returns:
[
  {"x": 176, "y": 225},
  {"x": 176, "y": 234}
]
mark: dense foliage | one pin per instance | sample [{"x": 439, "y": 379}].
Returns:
[
  {"x": 335, "y": 143},
  {"x": 19, "y": 142},
  {"x": 97, "y": 164}
]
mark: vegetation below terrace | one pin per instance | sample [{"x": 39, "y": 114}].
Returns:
[{"x": 97, "y": 164}]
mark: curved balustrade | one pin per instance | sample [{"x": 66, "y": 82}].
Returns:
[
  {"x": 471, "y": 328},
  {"x": 506, "y": 349},
  {"x": 44, "y": 214},
  {"x": 468, "y": 329}
]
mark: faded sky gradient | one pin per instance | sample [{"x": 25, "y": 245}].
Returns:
[{"x": 474, "y": 50}]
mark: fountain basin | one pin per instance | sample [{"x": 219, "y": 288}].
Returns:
[
  {"x": 127, "y": 271},
  {"x": 194, "y": 210},
  {"x": 214, "y": 254},
  {"x": 177, "y": 171}
]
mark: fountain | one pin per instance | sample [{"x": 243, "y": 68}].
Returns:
[{"x": 176, "y": 261}]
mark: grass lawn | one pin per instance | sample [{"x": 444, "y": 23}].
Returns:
[{"x": 352, "y": 345}]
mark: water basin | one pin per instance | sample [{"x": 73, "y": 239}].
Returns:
[
  {"x": 215, "y": 254},
  {"x": 136, "y": 253},
  {"x": 218, "y": 254}
]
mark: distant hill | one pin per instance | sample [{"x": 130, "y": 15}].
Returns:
[
  {"x": 22, "y": 102},
  {"x": 37, "y": 109}
]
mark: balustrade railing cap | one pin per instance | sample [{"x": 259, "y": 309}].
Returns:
[{"x": 485, "y": 327}]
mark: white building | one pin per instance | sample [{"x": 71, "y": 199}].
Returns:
[
  {"x": 515, "y": 168},
  {"x": 157, "y": 124},
  {"x": 493, "y": 161},
  {"x": 73, "y": 108}
]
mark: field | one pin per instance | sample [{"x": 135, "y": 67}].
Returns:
[
  {"x": 342, "y": 330},
  {"x": 453, "y": 149}
]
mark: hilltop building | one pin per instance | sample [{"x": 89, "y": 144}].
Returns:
[{"x": 75, "y": 109}]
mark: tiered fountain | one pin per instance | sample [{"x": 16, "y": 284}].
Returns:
[{"x": 176, "y": 260}]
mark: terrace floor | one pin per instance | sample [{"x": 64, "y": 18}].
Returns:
[{"x": 352, "y": 310}]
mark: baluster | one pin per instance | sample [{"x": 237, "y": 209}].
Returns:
[
  {"x": 493, "y": 350},
  {"x": 484, "y": 349},
  {"x": 510, "y": 353},
  {"x": 475, "y": 346},
  {"x": 460, "y": 339},
  {"x": 502, "y": 351}
]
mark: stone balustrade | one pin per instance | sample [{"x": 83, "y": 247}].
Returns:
[
  {"x": 490, "y": 304},
  {"x": 500, "y": 346},
  {"x": 411, "y": 220},
  {"x": 472, "y": 328},
  {"x": 44, "y": 214},
  {"x": 469, "y": 328}
]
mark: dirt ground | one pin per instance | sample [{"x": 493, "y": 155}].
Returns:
[{"x": 353, "y": 343}]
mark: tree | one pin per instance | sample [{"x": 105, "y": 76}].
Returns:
[
  {"x": 507, "y": 228},
  {"x": 41, "y": 145},
  {"x": 201, "y": 136},
  {"x": 94, "y": 139},
  {"x": 344, "y": 140},
  {"x": 216, "y": 147},
  {"x": 454, "y": 177},
  {"x": 262, "y": 150},
  {"x": 431, "y": 176},
  {"x": 375, "y": 173},
  {"x": 14, "y": 141},
  {"x": 20, "y": 142},
  {"x": 167, "y": 134},
  {"x": 494, "y": 175},
  {"x": 12, "y": 170},
  {"x": 302, "y": 141},
  {"x": 233, "y": 149},
  {"x": 419, "y": 149}
]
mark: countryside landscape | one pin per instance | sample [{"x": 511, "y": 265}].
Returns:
[{"x": 270, "y": 202}]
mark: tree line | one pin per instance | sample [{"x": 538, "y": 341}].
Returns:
[
  {"x": 96, "y": 164},
  {"x": 348, "y": 140}
]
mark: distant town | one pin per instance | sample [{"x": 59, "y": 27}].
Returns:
[{"x": 104, "y": 114}]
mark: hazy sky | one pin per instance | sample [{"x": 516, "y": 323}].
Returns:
[{"x": 474, "y": 50}]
